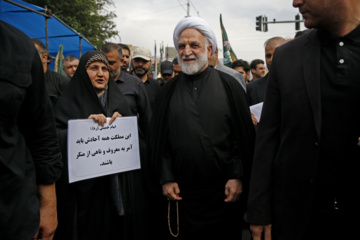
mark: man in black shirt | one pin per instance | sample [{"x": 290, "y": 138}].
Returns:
[
  {"x": 70, "y": 64},
  {"x": 142, "y": 64},
  {"x": 256, "y": 89},
  {"x": 124, "y": 64},
  {"x": 130, "y": 86},
  {"x": 55, "y": 82},
  {"x": 305, "y": 175},
  {"x": 167, "y": 71}
]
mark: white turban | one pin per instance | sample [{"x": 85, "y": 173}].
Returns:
[{"x": 199, "y": 24}]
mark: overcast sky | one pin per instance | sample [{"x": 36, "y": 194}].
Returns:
[{"x": 142, "y": 22}]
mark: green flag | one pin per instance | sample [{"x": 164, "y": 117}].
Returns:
[
  {"x": 59, "y": 61},
  {"x": 229, "y": 55}
]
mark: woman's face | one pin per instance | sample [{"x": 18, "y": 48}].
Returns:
[{"x": 98, "y": 74}]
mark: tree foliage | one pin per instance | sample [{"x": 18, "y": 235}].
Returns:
[{"x": 88, "y": 17}]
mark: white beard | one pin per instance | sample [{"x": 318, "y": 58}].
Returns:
[{"x": 193, "y": 68}]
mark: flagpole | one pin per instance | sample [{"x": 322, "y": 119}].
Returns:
[
  {"x": 161, "y": 51},
  {"x": 167, "y": 52},
  {"x": 155, "y": 62}
]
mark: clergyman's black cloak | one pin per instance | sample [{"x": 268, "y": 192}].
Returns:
[
  {"x": 86, "y": 209},
  {"x": 224, "y": 97}
]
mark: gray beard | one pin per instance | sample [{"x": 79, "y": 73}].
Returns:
[
  {"x": 194, "y": 68},
  {"x": 140, "y": 72},
  {"x": 114, "y": 74}
]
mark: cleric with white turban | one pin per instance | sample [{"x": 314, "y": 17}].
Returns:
[
  {"x": 199, "y": 24},
  {"x": 200, "y": 143}
]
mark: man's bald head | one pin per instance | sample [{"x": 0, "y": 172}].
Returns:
[{"x": 270, "y": 46}]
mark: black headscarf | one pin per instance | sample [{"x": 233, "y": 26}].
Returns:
[{"x": 80, "y": 100}]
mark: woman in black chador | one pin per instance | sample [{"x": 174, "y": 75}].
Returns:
[{"x": 108, "y": 207}]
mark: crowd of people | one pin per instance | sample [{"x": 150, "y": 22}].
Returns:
[{"x": 209, "y": 167}]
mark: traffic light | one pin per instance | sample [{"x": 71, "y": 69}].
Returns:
[
  {"x": 297, "y": 22},
  {"x": 259, "y": 23},
  {"x": 265, "y": 24}
]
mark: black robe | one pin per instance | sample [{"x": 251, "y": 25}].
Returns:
[
  {"x": 86, "y": 208},
  {"x": 205, "y": 141}
]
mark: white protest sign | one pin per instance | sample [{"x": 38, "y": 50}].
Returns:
[
  {"x": 256, "y": 110},
  {"x": 95, "y": 150}
]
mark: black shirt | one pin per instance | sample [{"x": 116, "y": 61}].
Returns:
[
  {"x": 340, "y": 101},
  {"x": 56, "y": 85},
  {"x": 135, "y": 93},
  {"x": 152, "y": 89},
  {"x": 196, "y": 82}
]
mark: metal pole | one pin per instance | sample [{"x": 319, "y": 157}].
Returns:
[
  {"x": 80, "y": 37},
  {"x": 292, "y": 21},
  {"x": 155, "y": 62},
  {"x": 46, "y": 29},
  {"x": 188, "y": 9},
  {"x": 32, "y": 10}
]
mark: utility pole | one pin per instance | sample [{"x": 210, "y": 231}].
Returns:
[
  {"x": 188, "y": 8},
  {"x": 155, "y": 62},
  {"x": 297, "y": 22}
]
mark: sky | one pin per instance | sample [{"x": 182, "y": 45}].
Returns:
[{"x": 143, "y": 23}]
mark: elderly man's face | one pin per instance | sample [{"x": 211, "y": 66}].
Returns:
[
  {"x": 320, "y": 13},
  {"x": 70, "y": 67},
  {"x": 193, "y": 51}
]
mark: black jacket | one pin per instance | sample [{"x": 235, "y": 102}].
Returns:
[
  {"x": 255, "y": 90},
  {"x": 29, "y": 151},
  {"x": 288, "y": 142}
]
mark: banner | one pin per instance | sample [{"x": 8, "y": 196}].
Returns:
[
  {"x": 95, "y": 151},
  {"x": 229, "y": 55}
]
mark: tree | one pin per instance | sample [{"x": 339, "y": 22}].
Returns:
[{"x": 88, "y": 17}]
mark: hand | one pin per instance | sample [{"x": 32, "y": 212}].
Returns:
[
  {"x": 114, "y": 116},
  {"x": 171, "y": 190},
  {"x": 254, "y": 120},
  {"x": 257, "y": 230},
  {"x": 99, "y": 118},
  {"x": 233, "y": 189},
  {"x": 48, "y": 213}
]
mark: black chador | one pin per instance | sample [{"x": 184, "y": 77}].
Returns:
[{"x": 108, "y": 207}]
